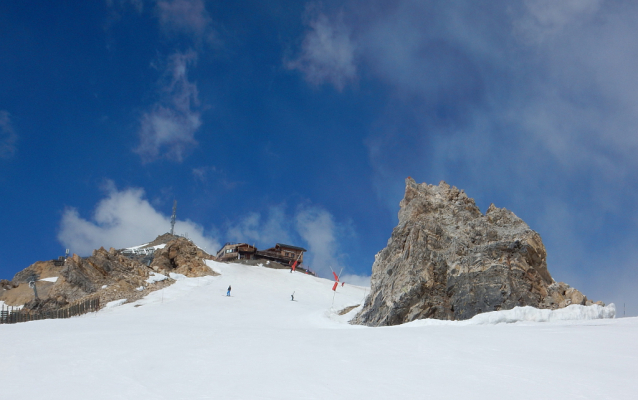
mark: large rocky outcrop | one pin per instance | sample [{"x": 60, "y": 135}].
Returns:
[
  {"x": 447, "y": 260},
  {"x": 183, "y": 257},
  {"x": 111, "y": 275}
]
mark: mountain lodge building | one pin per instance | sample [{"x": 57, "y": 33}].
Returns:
[
  {"x": 236, "y": 251},
  {"x": 282, "y": 253}
]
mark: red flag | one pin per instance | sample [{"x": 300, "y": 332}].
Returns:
[
  {"x": 335, "y": 286},
  {"x": 336, "y": 277},
  {"x": 294, "y": 266}
]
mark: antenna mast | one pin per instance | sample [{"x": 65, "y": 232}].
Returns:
[{"x": 173, "y": 216}]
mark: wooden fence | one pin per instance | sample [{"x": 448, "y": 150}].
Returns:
[{"x": 10, "y": 315}]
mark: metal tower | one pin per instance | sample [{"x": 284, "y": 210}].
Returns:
[
  {"x": 32, "y": 279},
  {"x": 173, "y": 217}
]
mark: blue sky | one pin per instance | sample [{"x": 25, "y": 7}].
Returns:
[{"x": 298, "y": 122}]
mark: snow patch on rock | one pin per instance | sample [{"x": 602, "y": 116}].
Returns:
[
  {"x": 115, "y": 303},
  {"x": 177, "y": 277},
  {"x": 155, "y": 277}
]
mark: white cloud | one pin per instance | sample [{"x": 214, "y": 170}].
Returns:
[
  {"x": 357, "y": 280},
  {"x": 168, "y": 129},
  {"x": 324, "y": 236},
  {"x": 263, "y": 232},
  {"x": 8, "y": 137},
  {"x": 185, "y": 16},
  {"x": 317, "y": 228},
  {"x": 123, "y": 219},
  {"x": 327, "y": 53}
]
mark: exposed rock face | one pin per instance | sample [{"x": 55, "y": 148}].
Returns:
[
  {"x": 446, "y": 260},
  {"x": 18, "y": 292},
  {"x": 83, "y": 276},
  {"x": 111, "y": 275},
  {"x": 163, "y": 239},
  {"x": 183, "y": 257},
  {"x": 43, "y": 269},
  {"x": 6, "y": 285}
]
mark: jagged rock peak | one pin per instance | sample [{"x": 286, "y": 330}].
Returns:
[{"x": 447, "y": 260}]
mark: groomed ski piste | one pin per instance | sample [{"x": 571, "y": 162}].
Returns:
[{"x": 191, "y": 341}]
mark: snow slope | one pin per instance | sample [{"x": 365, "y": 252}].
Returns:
[{"x": 190, "y": 341}]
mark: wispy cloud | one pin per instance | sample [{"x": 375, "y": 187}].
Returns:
[
  {"x": 177, "y": 19},
  {"x": 213, "y": 178},
  {"x": 327, "y": 53},
  {"x": 357, "y": 280},
  {"x": 540, "y": 20},
  {"x": 324, "y": 237},
  {"x": 186, "y": 17},
  {"x": 202, "y": 174},
  {"x": 8, "y": 137},
  {"x": 124, "y": 218},
  {"x": 262, "y": 231},
  {"x": 566, "y": 98},
  {"x": 168, "y": 129},
  {"x": 317, "y": 228}
]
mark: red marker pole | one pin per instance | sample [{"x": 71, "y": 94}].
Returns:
[{"x": 334, "y": 287}]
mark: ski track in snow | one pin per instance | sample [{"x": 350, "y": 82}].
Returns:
[{"x": 190, "y": 341}]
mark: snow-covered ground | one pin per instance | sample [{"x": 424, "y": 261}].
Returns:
[
  {"x": 191, "y": 341},
  {"x": 5, "y": 307}
]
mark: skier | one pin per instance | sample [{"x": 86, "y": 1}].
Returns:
[
  {"x": 292, "y": 296},
  {"x": 228, "y": 292}
]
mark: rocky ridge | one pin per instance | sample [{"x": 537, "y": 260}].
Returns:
[
  {"x": 447, "y": 260},
  {"x": 111, "y": 275}
]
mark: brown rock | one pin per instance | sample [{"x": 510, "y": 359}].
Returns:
[
  {"x": 575, "y": 296},
  {"x": 111, "y": 275},
  {"x": 447, "y": 260},
  {"x": 183, "y": 257}
]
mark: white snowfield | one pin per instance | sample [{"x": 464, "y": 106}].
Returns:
[
  {"x": 3, "y": 306},
  {"x": 191, "y": 341}
]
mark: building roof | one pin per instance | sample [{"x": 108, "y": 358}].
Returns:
[
  {"x": 235, "y": 245},
  {"x": 291, "y": 247}
]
